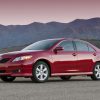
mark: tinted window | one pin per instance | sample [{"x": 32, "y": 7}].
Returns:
[
  {"x": 91, "y": 49},
  {"x": 41, "y": 45},
  {"x": 81, "y": 46},
  {"x": 67, "y": 45}
]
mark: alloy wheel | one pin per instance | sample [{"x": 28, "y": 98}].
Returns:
[
  {"x": 97, "y": 71},
  {"x": 41, "y": 72}
]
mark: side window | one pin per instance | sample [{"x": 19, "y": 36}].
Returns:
[
  {"x": 67, "y": 45},
  {"x": 81, "y": 46},
  {"x": 91, "y": 49}
]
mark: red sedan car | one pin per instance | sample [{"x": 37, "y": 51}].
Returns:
[{"x": 51, "y": 57}]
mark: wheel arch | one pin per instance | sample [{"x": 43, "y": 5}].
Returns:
[{"x": 97, "y": 62}]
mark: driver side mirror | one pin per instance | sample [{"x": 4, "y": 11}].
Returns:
[{"x": 58, "y": 49}]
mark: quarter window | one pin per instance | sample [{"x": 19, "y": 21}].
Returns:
[
  {"x": 91, "y": 49},
  {"x": 67, "y": 45}
]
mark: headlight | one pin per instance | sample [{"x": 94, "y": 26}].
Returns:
[{"x": 22, "y": 58}]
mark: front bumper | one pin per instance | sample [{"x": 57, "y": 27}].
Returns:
[{"x": 16, "y": 69}]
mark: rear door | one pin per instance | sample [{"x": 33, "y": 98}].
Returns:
[{"x": 85, "y": 54}]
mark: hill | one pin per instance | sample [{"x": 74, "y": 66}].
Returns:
[{"x": 16, "y": 35}]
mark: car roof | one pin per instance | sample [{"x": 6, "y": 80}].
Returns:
[
  {"x": 75, "y": 39},
  {"x": 64, "y": 39}
]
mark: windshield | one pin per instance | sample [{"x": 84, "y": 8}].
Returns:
[{"x": 41, "y": 45}]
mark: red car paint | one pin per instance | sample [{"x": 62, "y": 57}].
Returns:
[{"x": 61, "y": 62}]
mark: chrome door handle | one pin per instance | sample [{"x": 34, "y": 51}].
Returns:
[
  {"x": 94, "y": 54},
  {"x": 74, "y": 54}
]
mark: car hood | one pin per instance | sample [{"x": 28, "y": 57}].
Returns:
[{"x": 22, "y": 52}]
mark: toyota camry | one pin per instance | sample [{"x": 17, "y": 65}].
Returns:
[{"x": 52, "y": 57}]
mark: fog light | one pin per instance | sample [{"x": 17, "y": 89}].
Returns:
[
  {"x": 16, "y": 71},
  {"x": 19, "y": 70}
]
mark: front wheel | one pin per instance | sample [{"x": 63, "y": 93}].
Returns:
[
  {"x": 7, "y": 78},
  {"x": 41, "y": 72},
  {"x": 96, "y": 72}
]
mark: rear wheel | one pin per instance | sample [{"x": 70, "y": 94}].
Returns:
[
  {"x": 7, "y": 78},
  {"x": 96, "y": 72},
  {"x": 41, "y": 72},
  {"x": 65, "y": 78}
]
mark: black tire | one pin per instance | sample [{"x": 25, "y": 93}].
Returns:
[
  {"x": 35, "y": 72},
  {"x": 94, "y": 76},
  {"x": 65, "y": 78},
  {"x": 7, "y": 78}
]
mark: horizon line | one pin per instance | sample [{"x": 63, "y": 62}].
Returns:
[{"x": 51, "y": 21}]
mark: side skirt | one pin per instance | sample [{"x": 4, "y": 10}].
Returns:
[{"x": 80, "y": 73}]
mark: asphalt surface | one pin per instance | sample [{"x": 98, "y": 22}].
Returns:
[{"x": 78, "y": 88}]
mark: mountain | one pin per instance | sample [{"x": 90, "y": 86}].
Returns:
[{"x": 16, "y": 35}]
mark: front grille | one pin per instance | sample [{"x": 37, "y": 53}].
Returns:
[
  {"x": 4, "y": 60},
  {"x": 2, "y": 71}
]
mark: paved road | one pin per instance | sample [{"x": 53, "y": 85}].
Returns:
[{"x": 78, "y": 88}]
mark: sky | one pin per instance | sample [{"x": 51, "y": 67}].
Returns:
[{"x": 14, "y": 12}]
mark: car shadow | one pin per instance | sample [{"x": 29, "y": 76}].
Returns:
[{"x": 50, "y": 81}]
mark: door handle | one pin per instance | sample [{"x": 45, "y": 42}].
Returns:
[
  {"x": 74, "y": 54},
  {"x": 94, "y": 54}
]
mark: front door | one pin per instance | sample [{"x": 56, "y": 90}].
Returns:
[{"x": 65, "y": 61}]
